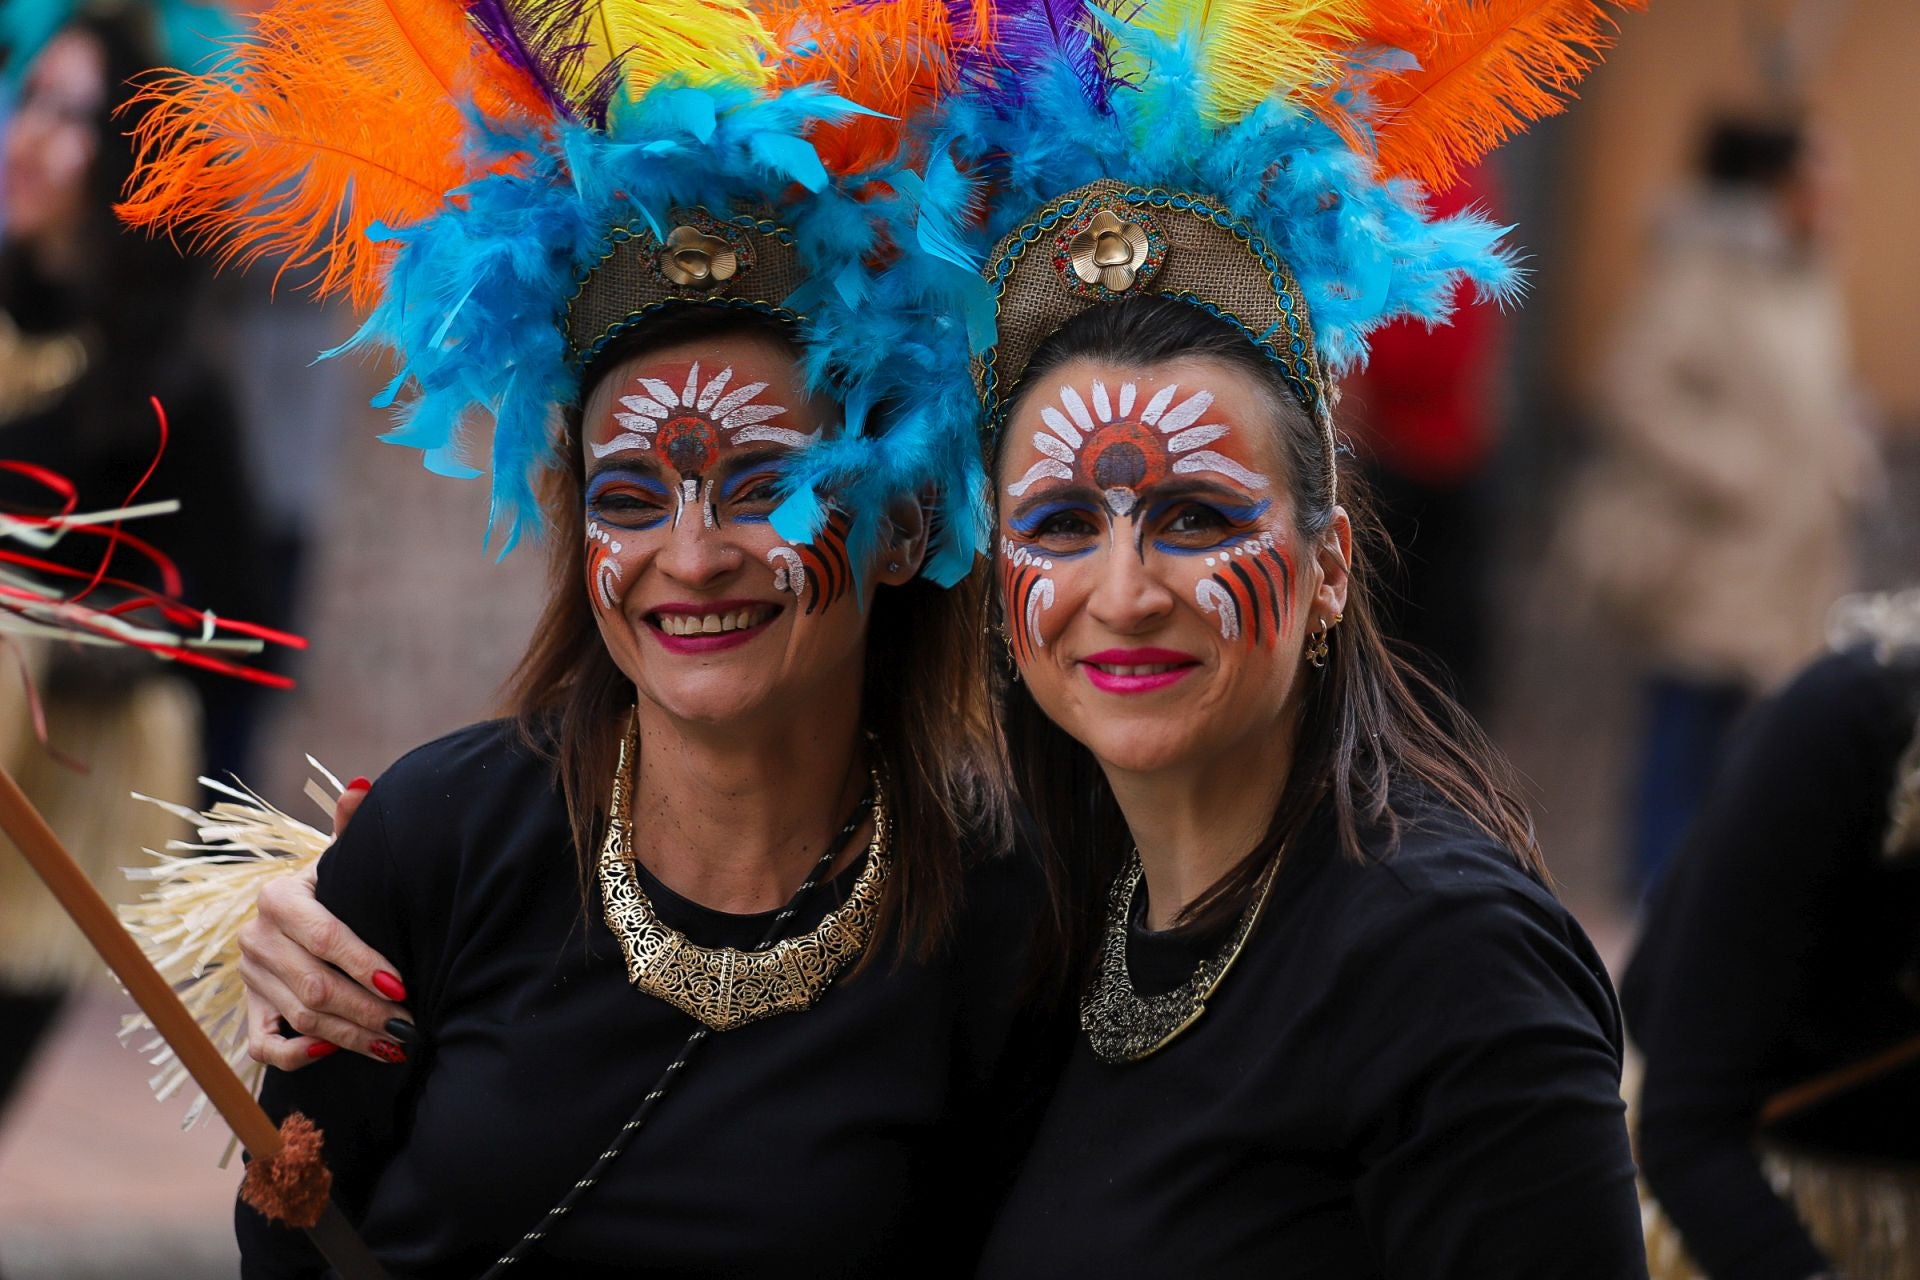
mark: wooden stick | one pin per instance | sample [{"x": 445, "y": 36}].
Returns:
[
  {"x": 81, "y": 901},
  {"x": 1790, "y": 1102}
]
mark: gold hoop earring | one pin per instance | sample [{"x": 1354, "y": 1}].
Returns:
[
  {"x": 1006, "y": 642},
  {"x": 1317, "y": 652}
]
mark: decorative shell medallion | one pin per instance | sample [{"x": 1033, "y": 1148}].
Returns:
[
  {"x": 1109, "y": 252},
  {"x": 693, "y": 259}
]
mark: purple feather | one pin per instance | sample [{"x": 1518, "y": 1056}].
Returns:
[
  {"x": 557, "y": 32},
  {"x": 1031, "y": 37},
  {"x": 495, "y": 18}
]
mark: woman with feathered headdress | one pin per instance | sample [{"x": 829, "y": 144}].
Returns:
[
  {"x": 720, "y": 888},
  {"x": 1334, "y": 1022}
]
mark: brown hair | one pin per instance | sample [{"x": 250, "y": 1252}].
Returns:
[
  {"x": 924, "y": 698},
  {"x": 1370, "y": 724}
]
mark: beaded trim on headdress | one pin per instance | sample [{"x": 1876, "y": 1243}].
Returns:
[
  {"x": 746, "y": 262},
  {"x": 1169, "y": 244}
]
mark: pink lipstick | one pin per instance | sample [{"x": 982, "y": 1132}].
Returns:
[{"x": 1137, "y": 670}]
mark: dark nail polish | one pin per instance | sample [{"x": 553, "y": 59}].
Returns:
[
  {"x": 360, "y": 784},
  {"x": 321, "y": 1048},
  {"x": 387, "y": 1051},
  {"x": 389, "y": 986},
  {"x": 403, "y": 1031}
]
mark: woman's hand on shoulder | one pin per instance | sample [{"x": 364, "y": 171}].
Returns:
[{"x": 306, "y": 971}]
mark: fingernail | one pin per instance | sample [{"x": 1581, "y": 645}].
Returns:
[
  {"x": 387, "y": 1051},
  {"x": 389, "y": 985},
  {"x": 360, "y": 784},
  {"x": 403, "y": 1031},
  {"x": 321, "y": 1048}
]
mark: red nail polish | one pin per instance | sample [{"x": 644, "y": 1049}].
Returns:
[
  {"x": 360, "y": 784},
  {"x": 387, "y": 1051},
  {"x": 321, "y": 1048},
  {"x": 389, "y": 986}
]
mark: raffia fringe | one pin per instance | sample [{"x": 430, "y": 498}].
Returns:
[
  {"x": 144, "y": 741},
  {"x": 1866, "y": 1218},
  {"x": 189, "y": 923}
]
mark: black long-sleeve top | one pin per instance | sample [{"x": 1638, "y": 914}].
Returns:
[
  {"x": 864, "y": 1137},
  {"x": 1773, "y": 953},
  {"x": 1412, "y": 1070}
]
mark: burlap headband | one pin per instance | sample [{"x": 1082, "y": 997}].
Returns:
[
  {"x": 1107, "y": 241},
  {"x": 747, "y": 261}
]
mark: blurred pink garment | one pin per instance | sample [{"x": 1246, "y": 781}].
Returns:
[{"x": 1717, "y": 523}]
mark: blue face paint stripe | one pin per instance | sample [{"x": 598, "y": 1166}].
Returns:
[
  {"x": 757, "y": 472},
  {"x": 639, "y": 479},
  {"x": 1028, "y": 523},
  {"x": 1235, "y": 513},
  {"x": 1223, "y": 547}
]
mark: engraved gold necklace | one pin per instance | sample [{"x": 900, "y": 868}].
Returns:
[
  {"x": 1124, "y": 1026},
  {"x": 725, "y": 987}
]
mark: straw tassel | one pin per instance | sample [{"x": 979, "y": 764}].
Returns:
[{"x": 189, "y": 924}]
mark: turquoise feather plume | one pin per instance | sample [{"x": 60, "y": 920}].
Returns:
[
  {"x": 1365, "y": 252},
  {"x": 473, "y": 302}
]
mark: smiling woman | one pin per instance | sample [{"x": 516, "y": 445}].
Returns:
[
  {"x": 1333, "y": 1021},
  {"x": 749, "y": 802}
]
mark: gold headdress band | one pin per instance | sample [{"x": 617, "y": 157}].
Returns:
[
  {"x": 1107, "y": 241},
  {"x": 747, "y": 262}
]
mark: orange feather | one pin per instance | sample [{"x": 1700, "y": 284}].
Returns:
[
  {"x": 1487, "y": 69},
  {"x": 890, "y": 57},
  {"x": 331, "y": 116}
]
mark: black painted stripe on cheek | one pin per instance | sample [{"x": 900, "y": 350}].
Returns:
[
  {"x": 1250, "y": 606},
  {"x": 1273, "y": 597}
]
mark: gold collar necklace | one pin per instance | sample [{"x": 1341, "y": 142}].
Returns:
[
  {"x": 721, "y": 986},
  {"x": 1124, "y": 1026}
]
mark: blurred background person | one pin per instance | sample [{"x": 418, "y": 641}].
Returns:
[
  {"x": 1424, "y": 415},
  {"x": 93, "y": 321},
  {"x": 1775, "y": 992},
  {"x": 1716, "y": 525}
]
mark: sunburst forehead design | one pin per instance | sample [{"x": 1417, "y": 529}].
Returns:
[
  {"x": 686, "y": 425},
  {"x": 1119, "y": 451}
]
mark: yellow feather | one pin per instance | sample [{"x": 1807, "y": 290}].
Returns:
[
  {"x": 699, "y": 41},
  {"x": 1253, "y": 49}
]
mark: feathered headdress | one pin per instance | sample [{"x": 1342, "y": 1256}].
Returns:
[
  {"x": 1264, "y": 160},
  {"x": 508, "y": 184}
]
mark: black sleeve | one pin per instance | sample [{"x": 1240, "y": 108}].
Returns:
[
  {"x": 359, "y": 1104},
  {"x": 1485, "y": 1087},
  {"x": 1015, "y": 1033},
  {"x": 1714, "y": 985}
]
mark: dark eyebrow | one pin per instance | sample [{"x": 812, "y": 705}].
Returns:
[
  {"x": 632, "y": 461},
  {"x": 1192, "y": 487},
  {"x": 747, "y": 459},
  {"x": 1061, "y": 491}
]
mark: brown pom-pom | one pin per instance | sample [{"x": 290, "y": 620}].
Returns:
[{"x": 292, "y": 1187}]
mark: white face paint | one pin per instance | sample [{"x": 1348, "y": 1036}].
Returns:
[
  {"x": 789, "y": 573},
  {"x": 735, "y": 412},
  {"x": 1119, "y": 452},
  {"x": 604, "y": 569},
  {"x": 1035, "y": 595},
  {"x": 1214, "y": 598},
  {"x": 1040, "y": 600},
  {"x": 689, "y": 496}
]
